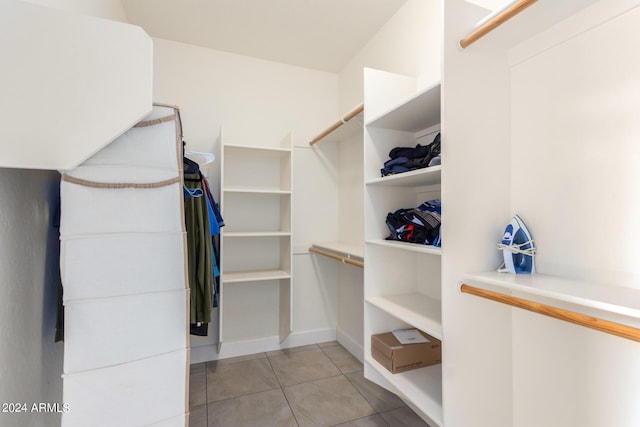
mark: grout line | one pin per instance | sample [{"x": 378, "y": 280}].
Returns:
[
  {"x": 243, "y": 395},
  {"x": 350, "y": 382},
  {"x": 360, "y": 393},
  {"x": 221, "y": 362},
  {"x": 362, "y": 418},
  {"x": 331, "y": 360},
  {"x": 283, "y": 393}
]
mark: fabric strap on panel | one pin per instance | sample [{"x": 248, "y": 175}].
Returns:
[
  {"x": 95, "y": 184},
  {"x": 155, "y": 121}
]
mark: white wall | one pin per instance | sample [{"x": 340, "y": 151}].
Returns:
[
  {"x": 560, "y": 110},
  {"x": 108, "y": 9},
  {"x": 257, "y": 102},
  {"x": 30, "y": 361},
  {"x": 409, "y": 43},
  {"x": 574, "y": 180},
  {"x": 351, "y": 230},
  {"x": 476, "y": 349}
]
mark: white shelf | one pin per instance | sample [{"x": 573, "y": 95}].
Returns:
[
  {"x": 348, "y": 250},
  {"x": 618, "y": 303},
  {"x": 405, "y": 246},
  {"x": 257, "y": 191},
  {"x": 245, "y": 150},
  {"x": 421, "y": 387},
  {"x": 416, "y": 113},
  {"x": 254, "y": 276},
  {"x": 256, "y": 233},
  {"x": 419, "y": 177},
  {"x": 415, "y": 309}
]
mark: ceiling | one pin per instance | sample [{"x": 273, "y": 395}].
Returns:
[{"x": 318, "y": 34}]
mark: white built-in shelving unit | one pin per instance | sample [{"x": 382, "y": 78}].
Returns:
[
  {"x": 402, "y": 280},
  {"x": 256, "y": 240}
]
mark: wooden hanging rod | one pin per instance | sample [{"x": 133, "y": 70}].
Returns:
[
  {"x": 499, "y": 19},
  {"x": 350, "y": 115},
  {"x": 596, "y": 323},
  {"x": 337, "y": 257}
]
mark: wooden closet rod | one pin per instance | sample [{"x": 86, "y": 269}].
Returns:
[
  {"x": 596, "y": 323},
  {"x": 499, "y": 19},
  {"x": 350, "y": 115},
  {"x": 338, "y": 257}
]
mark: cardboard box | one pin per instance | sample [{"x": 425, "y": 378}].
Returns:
[{"x": 396, "y": 357}]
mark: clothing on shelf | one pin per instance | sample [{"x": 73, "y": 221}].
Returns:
[
  {"x": 404, "y": 159},
  {"x": 203, "y": 222},
  {"x": 417, "y": 225}
]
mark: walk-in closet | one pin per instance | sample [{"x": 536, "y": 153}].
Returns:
[{"x": 297, "y": 213}]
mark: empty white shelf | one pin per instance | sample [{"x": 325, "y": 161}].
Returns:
[
  {"x": 248, "y": 150},
  {"x": 254, "y": 276},
  {"x": 413, "y": 247},
  {"x": 257, "y": 191},
  {"x": 616, "y": 303},
  {"x": 419, "y": 177},
  {"x": 421, "y": 387},
  {"x": 416, "y": 113},
  {"x": 415, "y": 309},
  {"x": 256, "y": 233}
]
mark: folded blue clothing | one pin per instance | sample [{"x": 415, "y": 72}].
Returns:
[
  {"x": 393, "y": 170},
  {"x": 396, "y": 161}
]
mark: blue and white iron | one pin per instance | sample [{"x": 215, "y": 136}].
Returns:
[{"x": 517, "y": 249}]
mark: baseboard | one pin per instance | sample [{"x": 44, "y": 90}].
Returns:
[
  {"x": 209, "y": 353},
  {"x": 350, "y": 344}
]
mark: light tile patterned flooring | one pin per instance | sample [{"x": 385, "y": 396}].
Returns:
[{"x": 314, "y": 385}]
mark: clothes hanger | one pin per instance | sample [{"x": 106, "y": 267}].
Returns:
[{"x": 208, "y": 157}]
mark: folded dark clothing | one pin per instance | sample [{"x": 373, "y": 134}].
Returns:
[
  {"x": 409, "y": 152},
  {"x": 419, "y": 151},
  {"x": 418, "y": 163},
  {"x": 199, "y": 329},
  {"x": 396, "y": 161},
  {"x": 394, "y": 170}
]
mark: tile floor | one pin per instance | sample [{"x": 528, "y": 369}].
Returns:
[{"x": 314, "y": 385}]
